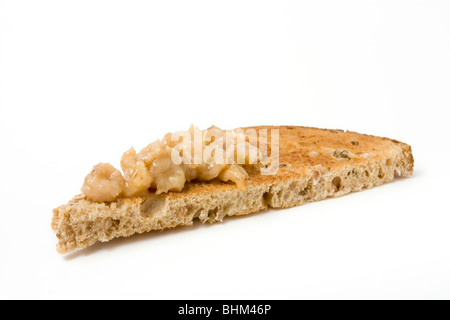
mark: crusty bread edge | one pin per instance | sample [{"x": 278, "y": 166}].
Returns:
[{"x": 82, "y": 223}]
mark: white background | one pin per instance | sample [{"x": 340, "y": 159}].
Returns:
[{"x": 82, "y": 81}]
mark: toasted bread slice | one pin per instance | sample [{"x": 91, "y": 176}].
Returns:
[{"x": 313, "y": 164}]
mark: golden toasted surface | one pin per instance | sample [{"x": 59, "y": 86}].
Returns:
[{"x": 302, "y": 148}]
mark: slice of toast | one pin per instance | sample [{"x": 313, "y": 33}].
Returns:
[{"x": 313, "y": 164}]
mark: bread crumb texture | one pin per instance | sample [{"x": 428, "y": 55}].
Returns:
[{"x": 314, "y": 164}]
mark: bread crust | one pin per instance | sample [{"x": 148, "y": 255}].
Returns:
[{"x": 313, "y": 164}]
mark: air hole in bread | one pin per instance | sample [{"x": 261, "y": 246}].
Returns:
[
  {"x": 111, "y": 224},
  {"x": 212, "y": 213},
  {"x": 267, "y": 198},
  {"x": 279, "y": 194},
  {"x": 153, "y": 205},
  {"x": 336, "y": 183},
  {"x": 197, "y": 212},
  {"x": 293, "y": 186},
  {"x": 306, "y": 190}
]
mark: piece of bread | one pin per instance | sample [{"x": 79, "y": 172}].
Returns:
[{"x": 313, "y": 164}]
